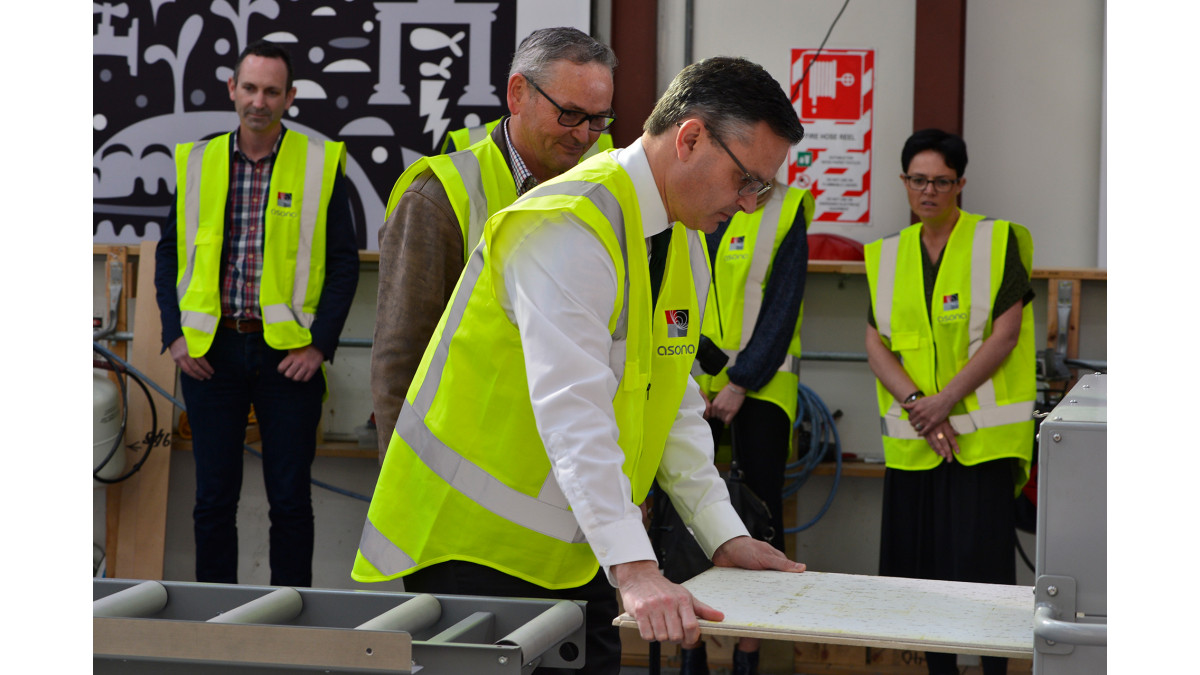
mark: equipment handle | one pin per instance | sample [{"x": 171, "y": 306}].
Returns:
[{"x": 1046, "y": 625}]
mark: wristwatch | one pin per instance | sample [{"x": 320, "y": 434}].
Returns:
[{"x": 914, "y": 396}]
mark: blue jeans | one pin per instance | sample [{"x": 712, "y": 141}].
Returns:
[{"x": 288, "y": 413}]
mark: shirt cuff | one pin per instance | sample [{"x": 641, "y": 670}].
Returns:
[
  {"x": 717, "y": 524},
  {"x": 621, "y": 542}
]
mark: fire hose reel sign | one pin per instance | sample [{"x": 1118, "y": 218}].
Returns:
[{"x": 834, "y": 103}]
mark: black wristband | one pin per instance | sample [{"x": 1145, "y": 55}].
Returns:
[{"x": 914, "y": 396}]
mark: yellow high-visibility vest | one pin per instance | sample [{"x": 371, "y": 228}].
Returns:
[
  {"x": 995, "y": 420},
  {"x": 466, "y": 476},
  {"x": 293, "y": 270},
  {"x": 477, "y": 181},
  {"x": 744, "y": 262}
]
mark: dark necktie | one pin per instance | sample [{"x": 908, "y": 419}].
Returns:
[{"x": 659, "y": 244}]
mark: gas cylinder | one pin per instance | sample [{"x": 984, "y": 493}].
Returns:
[{"x": 106, "y": 425}]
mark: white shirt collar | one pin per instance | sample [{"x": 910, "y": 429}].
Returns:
[{"x": 633, "y": 159}]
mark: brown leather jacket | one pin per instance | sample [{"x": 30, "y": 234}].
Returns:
[{"x": 420, "y": 259}]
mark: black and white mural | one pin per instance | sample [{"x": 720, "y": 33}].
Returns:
[{"x": 387, "y": 78}]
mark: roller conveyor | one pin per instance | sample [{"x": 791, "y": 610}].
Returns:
[{"x": 180, "y": 627}]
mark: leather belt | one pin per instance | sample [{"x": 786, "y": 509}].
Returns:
[{"x": 242, "y": 325}]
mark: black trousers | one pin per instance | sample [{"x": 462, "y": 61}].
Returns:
[
  {"x": 603, "y": 644},
  {"x": 952, "y": 523},
  {"x": 760, "y": 435}
]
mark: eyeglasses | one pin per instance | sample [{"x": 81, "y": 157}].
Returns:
[
  {"x": 752, "y": 186},
  {"x": 573, "y": 118},
  {"x": 918, "y": 183}
]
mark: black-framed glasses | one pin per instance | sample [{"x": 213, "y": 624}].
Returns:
[
  {"x": 752, "y": 186},
  {"x": 919, "y": 183},
  {"x": 573, "y": 118}
]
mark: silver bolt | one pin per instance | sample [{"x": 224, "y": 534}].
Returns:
[
  {"x": 1058, "y": 419},
  {"x": 1052, "y": 591},
  {"x": 1073, "y": 401},
  {"x": 503, "y": 660},
  {"x": 1057, "y": 437},
  {"x": 1087, "y": 386}
]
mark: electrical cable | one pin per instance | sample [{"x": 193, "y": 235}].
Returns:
[
  {"x": 800, "y": 82},
  {"x": 1021, "y": 550},
  {"x": 139, "y": 376},
  {"x": 823, "y": 440},
  {"x": 124, "y": 419}
]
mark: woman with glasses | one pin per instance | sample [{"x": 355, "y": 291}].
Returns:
[{"x": 950, "y": 341}]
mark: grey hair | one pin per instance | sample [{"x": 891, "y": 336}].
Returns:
[{"x": 541, "y": 48}]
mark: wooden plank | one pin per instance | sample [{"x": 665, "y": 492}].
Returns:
[
  {"x": 869, "y": 611},
  {"x": 1051, "y": 316},
  {"x": 1073, "y": 321},
  {"x": 115, "y": 255},
  {"x": 142, "y": 518}
]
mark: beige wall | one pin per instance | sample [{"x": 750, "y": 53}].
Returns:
[
  {"x": 1032, "y": 101},
  {"x": 765, "y": 31},
  {"x": 1032, "y": 113}
]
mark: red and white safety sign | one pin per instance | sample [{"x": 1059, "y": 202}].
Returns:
[{"x": 832, "y": 96}]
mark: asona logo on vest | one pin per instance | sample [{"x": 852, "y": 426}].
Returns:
[
  {"x": 677, "y": 323},
  {"x": 283, "y": 199},
  {"x": 737, "y": 243},
  {"x": 949, "y": 302}
]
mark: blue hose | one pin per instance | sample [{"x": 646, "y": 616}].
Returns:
[
  {"x": 174, "y": 401},
  {"x": 823, "y": 440}
]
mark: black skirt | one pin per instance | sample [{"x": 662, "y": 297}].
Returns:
[{"x": 951, "y": 523}]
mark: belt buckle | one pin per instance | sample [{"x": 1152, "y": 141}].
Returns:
[{"x": 238, "y": 321}]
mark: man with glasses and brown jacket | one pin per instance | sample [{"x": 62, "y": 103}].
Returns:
[{"x": 560, "y": 90}]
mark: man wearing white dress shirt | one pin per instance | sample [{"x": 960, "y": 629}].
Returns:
[{"x": 556, "y": 388}]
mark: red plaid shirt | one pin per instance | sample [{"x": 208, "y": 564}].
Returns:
[{"x": 249, "y": 186}]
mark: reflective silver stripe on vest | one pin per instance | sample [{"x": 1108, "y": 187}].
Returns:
[
  {"x": 998, "y": 416},
  {"x": 752, "y": 293},
  {"x": 885, "y": 284},
  {"x": 701, "y": 275},
  {"x": 310, "y": 209},
  {"x": 476, "y": 134},
  {"x": 205, "y": 323},
  {"x": 467, "y": 166},
  {"x": 981, "y": 288},
  {"x": 381, "y": 552},
  {"x": 608, "y": 205}
]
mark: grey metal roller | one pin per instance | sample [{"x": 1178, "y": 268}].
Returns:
[
  {"x": 546, "y": 630},
  {"x": 279, "y": 606},
  {"x": 146, "y": 599},
  {"x": 411, "y": 616}
]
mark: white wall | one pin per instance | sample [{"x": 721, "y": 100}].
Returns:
[
  {"x": 1032, "y": 101},
  {"x": 1032, "y": 115},
  {"x": 765, "y": 31}
]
